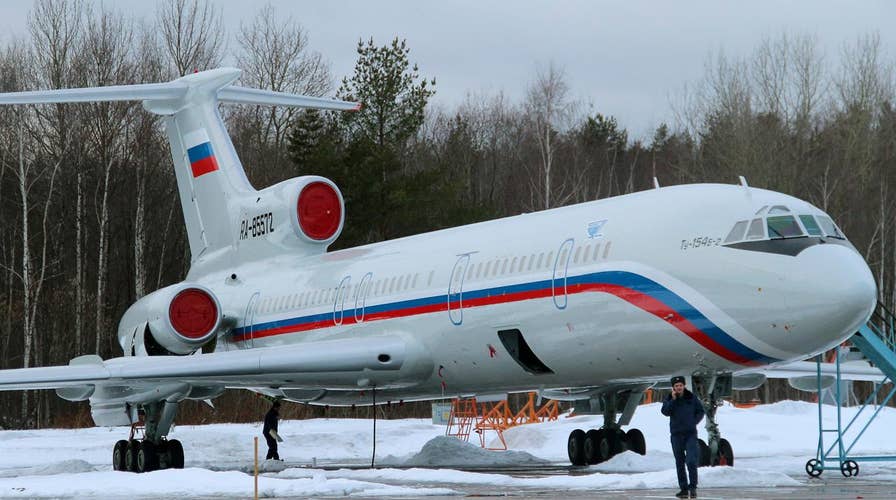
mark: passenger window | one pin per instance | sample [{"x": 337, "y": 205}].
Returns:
[
  {"x": 737, "y": 232},
  {"x": 414, "y": 282},
  {"x": 563, "y": 255},
  {"x": 549, "y": 261},
  {"x": 522, "y": 263},
  {"x": 810, "y": 225},
  {"x": 829, "y": 228},
  {"x": 431, "y": 275},
  {"x": 392, "y": 284},
  {"x": 596, "y": 252},
  {"x": 495, "y": 265},
  {"x": 783, "y": 226},
  {"x": 540, "y": 259},
  {"x": 607, "y": 249},
  {"x": 575, "y": 258},
  {"x": 513, "y": 265},
  {"x": 504, "y": 268},
  {"x": 469, "y": 273},
  {"x": 756, "y": 231}
]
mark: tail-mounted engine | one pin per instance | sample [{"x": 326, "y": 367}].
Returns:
[
  {"x": 304, "y": 215},
  {"x": 178, "y": 319}
]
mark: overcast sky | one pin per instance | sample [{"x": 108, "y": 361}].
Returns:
[{"x": 625, "y": 59}]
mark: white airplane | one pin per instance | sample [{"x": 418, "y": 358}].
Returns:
[{"x": 598, "y": 301}]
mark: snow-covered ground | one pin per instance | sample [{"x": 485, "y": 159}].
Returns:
[{"x": 771, "y": 445}]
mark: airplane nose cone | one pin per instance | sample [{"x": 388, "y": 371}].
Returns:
[{"x": 837, "y": 291}]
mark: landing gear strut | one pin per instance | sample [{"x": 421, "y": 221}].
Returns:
[
  {"x": 599, "y": 445},
  {"x": 711, "y": 389},
  {"x": 147, "y": 448}
]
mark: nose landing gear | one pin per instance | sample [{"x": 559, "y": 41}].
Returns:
[{"x": 711, "y": 389}]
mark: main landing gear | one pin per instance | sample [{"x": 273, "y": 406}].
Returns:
[
  {"x": 147, "y": 447},
  {"x": 711, "y": 389},
  {"x": 599, "y": 445}
]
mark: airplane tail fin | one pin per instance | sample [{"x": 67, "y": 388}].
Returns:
[{"x": 210, "y": 177}]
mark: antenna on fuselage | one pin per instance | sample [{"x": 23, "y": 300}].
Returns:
[{"x": 743, "y": 182}]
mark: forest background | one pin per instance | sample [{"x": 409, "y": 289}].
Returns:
[{"x": 90, "y": 219}]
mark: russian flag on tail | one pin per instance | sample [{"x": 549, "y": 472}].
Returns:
[{"x": 200, "y": 153}]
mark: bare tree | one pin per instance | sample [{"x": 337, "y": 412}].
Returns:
[
  {"x": 549, "y": 109},
  {"x": 192, "y": 33},
  {"x": 274, "y": 55},
  {"x": 56, "y": 30},
  {"x": 29, "y": 172},
  {"x": 107, "y": 61}
]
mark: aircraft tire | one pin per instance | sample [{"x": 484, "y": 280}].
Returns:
[
  {"x": 175, "y": 453},
  {"x": 705, "y": 459},
  {"x": 147, "y": 458},
  {"x": 610, "y": 444},
  {"x": 131, "y": 455},
  {"x": 575, "y": 447},
  {"x": 634, "y": 439},
  {"x": 726, "y": 454},
  {"x": 592, "y": 442},
  {"x": 119, "y": 455}
]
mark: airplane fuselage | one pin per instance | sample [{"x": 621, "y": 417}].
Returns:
[{"x": 627, "y": 289}]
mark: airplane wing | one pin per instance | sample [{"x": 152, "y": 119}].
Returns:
[
  {"x": 347, "y": 363},
  {"x": 853, "y": 370}
]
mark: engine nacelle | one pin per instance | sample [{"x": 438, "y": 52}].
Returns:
[
  {"x": 320, "y": 210},
  {"x": 179, "y": 318},
  {"x": 304, "y": 215}
]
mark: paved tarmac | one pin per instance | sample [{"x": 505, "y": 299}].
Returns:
[{"x": 813, "y": 490}]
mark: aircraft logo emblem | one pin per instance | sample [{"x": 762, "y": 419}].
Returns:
[{"x": 595, "y": 227}]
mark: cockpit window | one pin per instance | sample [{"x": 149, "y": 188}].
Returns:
[
  {"x": 829, "y": 228},
  {"x": 778, "y": 209},
  {"x": 756, "y": 231},
  {"x": 810, "y": 225},
  {"x": 761, "y": 209},
  {"x": 783, "y": 226},
  {"x": 737, "y": 232}
]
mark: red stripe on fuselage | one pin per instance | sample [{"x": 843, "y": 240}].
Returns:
[{"x": 640, "y": 300}]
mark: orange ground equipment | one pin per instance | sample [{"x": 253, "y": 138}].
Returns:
[{"x": 467, "y": 415}]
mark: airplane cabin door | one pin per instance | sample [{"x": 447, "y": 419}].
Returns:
[
  {"x": 361, "y": 292},
  {"x": 456, "y": 289},
  {"x": 561, "y": 267},
  {"x": 251, "y": 308},
  {"x": 339, "y": 301}
]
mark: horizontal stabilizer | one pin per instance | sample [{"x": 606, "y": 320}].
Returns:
[
  {"x": 243, "y": 95},
  {"x": 180, "y": 91},
  {"x": 141, "y": 92}
]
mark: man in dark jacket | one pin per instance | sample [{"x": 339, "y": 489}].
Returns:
[
  {"x": 684, "y": 411},
  {"x": 270, "y": 424}
]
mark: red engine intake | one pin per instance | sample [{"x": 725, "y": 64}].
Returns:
[
  {"x": 319, "y": 211},
  {"x": 193, "y": 314}
]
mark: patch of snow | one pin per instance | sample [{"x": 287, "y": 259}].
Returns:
[{"x": 447, "y": 451}]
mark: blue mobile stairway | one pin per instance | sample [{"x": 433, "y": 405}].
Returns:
[{"x": 877, "y": 341}]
